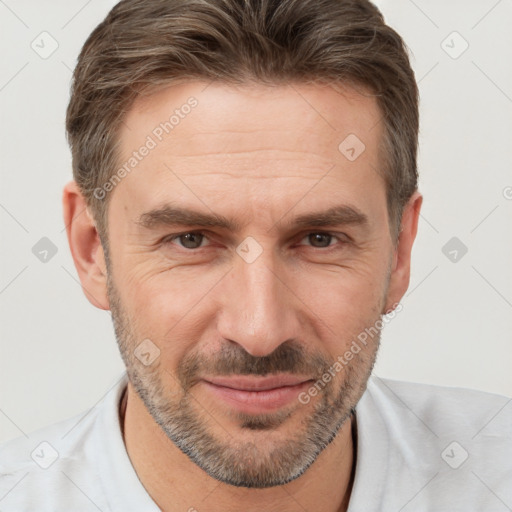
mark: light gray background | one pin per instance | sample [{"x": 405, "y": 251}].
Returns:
[{"x": 58, "y": 353}]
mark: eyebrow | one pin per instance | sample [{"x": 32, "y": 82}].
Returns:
[
  {"x": 169, "y": 215},
  {"x": 337, "y": 215}
]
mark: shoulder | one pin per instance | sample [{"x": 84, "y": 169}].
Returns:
[
  {"x": 35, "y": 449},
  {"x": 40, "y": 461},
  {"x": 444, "y": 408},
  {"x": 432, "y": 448},
  {"x": 58, "y": 467}
]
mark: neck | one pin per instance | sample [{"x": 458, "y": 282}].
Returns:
[{"x": 175, "y": 483}]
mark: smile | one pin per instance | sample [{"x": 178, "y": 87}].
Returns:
[{"x": 256, "y": 395}]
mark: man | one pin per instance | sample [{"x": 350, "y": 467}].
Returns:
[{"x": 245, "y": 204}]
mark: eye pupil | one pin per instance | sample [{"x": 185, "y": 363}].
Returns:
[
  {"x": 191, "y": 240},
  {"x": 317, "y": 239}
]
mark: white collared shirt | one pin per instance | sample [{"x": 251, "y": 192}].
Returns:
[{"x": 419, "y": 448}]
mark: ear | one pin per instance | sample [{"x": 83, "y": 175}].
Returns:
[
  {"x": 85, "y": 246},
  {"x": 401, "y": 267}
]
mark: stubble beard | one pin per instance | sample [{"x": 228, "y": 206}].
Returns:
[{"x": 244, "y": 463}]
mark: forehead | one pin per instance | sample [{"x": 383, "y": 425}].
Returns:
[
  {"x": 280, "y": 140},
  {"x": 280, "y": 115}
]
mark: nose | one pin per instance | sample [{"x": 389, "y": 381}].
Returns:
[{"x": 258, "y": 309}]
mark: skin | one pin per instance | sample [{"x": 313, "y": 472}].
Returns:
[{"x": 260, "y": 156}]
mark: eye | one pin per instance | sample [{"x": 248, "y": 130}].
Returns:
[
  {"x": 320, "y": 239},
  {"x": 190, "y": 240},
  {"x": 194, "y": 239}
]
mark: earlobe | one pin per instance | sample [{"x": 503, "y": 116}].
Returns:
[
  {"x": 85, "y": 245},
  {"x": 401, "y": 266}
]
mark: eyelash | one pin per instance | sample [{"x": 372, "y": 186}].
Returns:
[{"x": 169, "y": 239}]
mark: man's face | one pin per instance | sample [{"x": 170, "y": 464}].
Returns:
[{"x": 245, "y": 316}]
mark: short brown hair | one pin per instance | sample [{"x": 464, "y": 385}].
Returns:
[{"x": 143, "y": 44}]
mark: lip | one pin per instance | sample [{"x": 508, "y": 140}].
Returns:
[{"x": 256, "y": 395}]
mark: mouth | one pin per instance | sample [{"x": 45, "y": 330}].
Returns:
[{"x": 254, "y": 394}]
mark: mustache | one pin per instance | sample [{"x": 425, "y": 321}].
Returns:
[{"x": 233, "y": 359}]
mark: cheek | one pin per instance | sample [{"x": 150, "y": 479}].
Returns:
[
  {"x": 172, "y": 308},
  {"x": 349, "y": 288},
  {"x": 342, "y": 303}
]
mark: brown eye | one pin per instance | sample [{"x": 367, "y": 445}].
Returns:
[
  {"x": 192, "y": 240},
  {"x": 320, "y": 239}
]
